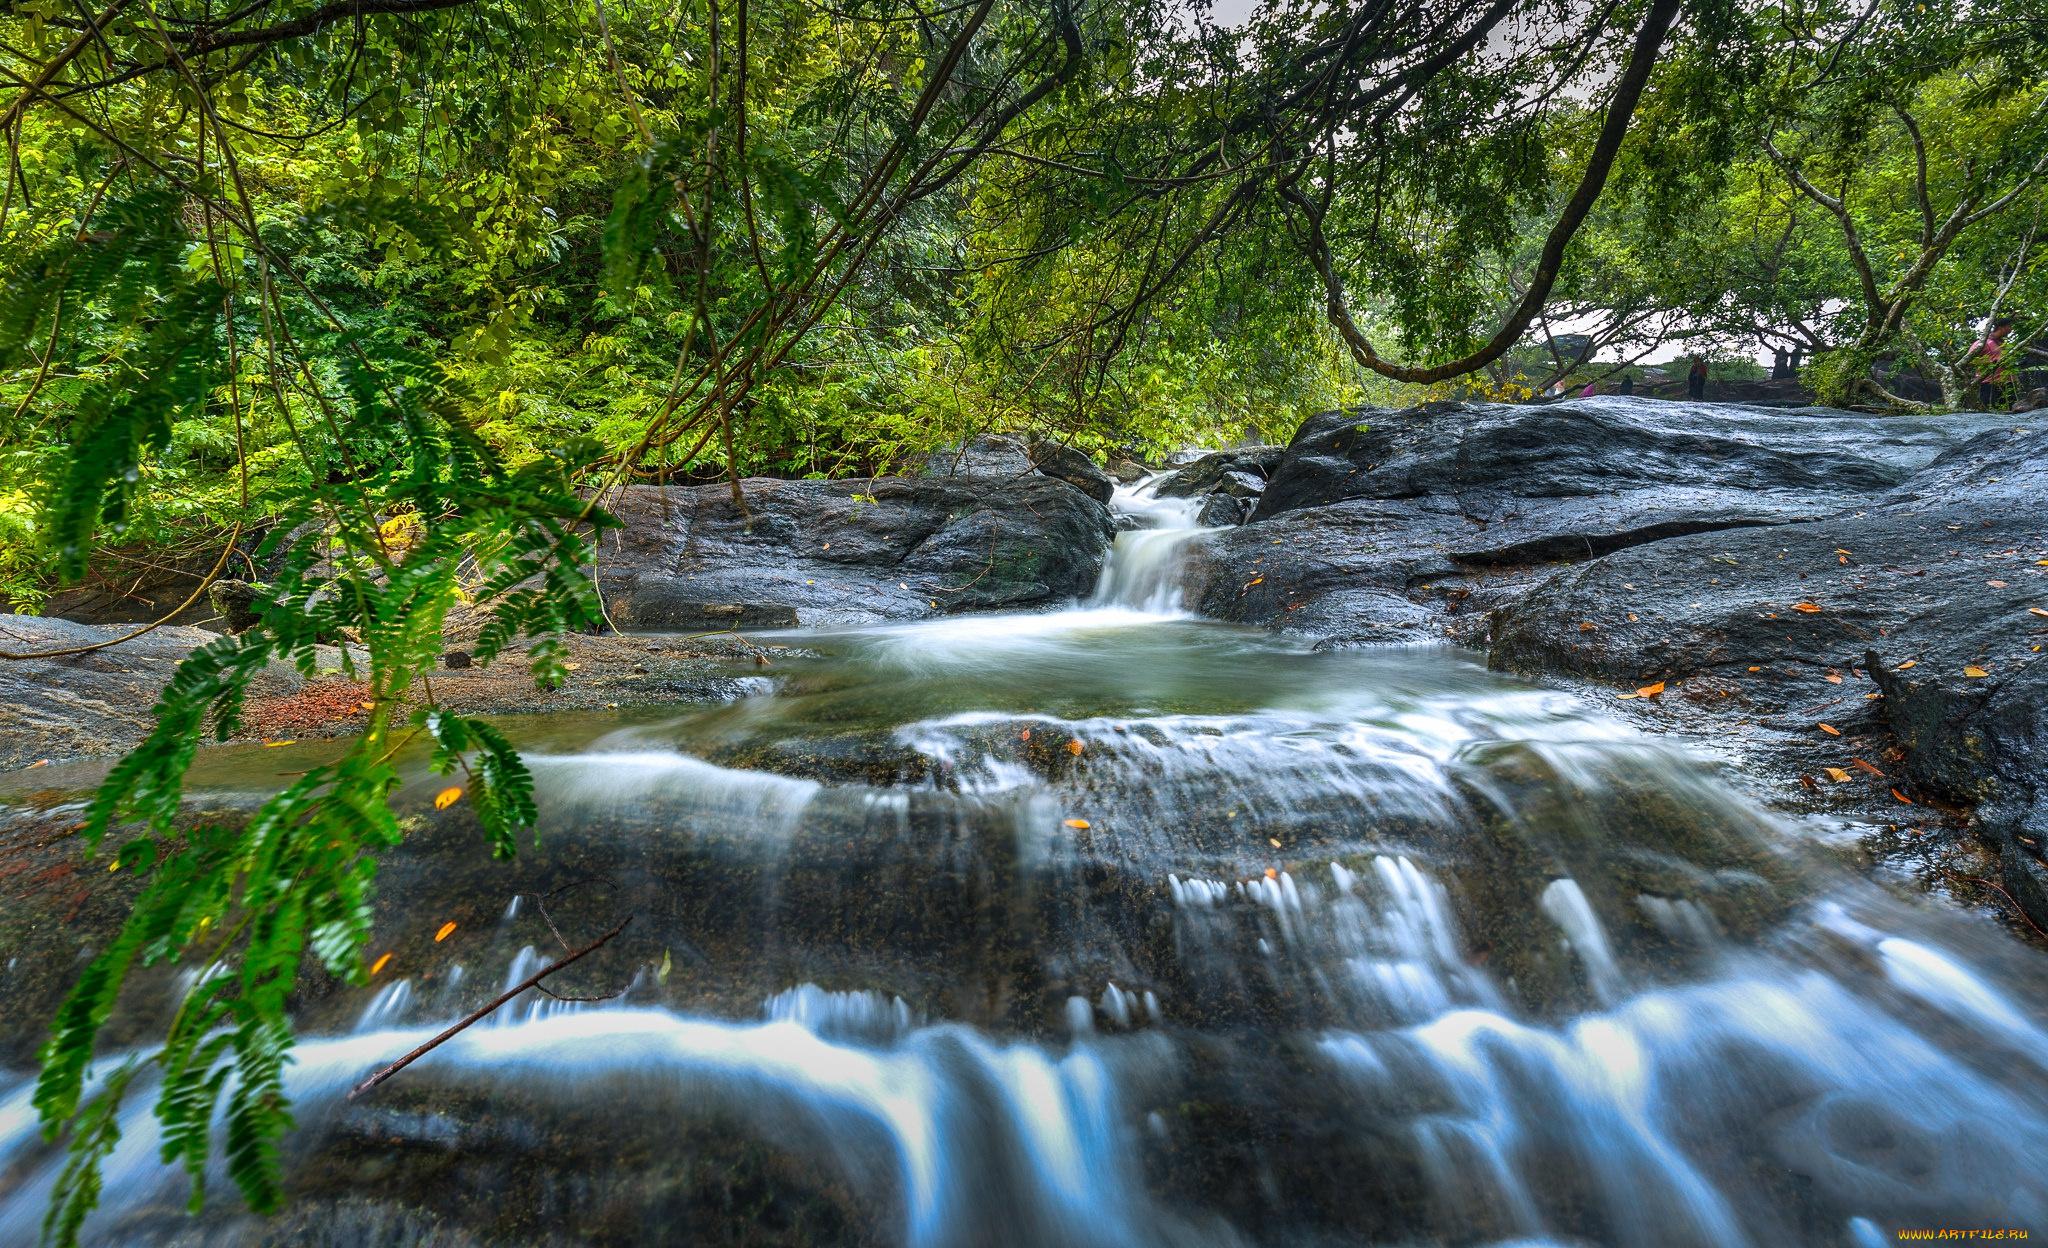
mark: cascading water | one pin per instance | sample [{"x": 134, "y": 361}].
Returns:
[
  {"x": 1142, "y": 573},
  {"x": 1114, "y": 927}
]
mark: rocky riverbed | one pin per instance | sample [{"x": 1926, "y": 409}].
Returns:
[
  {"x": 1846, "y": 608},
  {"x": 1843, "y": 607}
]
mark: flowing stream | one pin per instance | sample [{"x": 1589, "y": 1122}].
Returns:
[{"x": 1111, "y": 926}]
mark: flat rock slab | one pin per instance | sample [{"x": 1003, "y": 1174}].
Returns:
[
  {"x": 824, "y": 552},
  {"x": 1914, "y": 613},
  {"x": 1395, "y": 525},
  {"x": 1494, "y": 457},
  {"x": 94, "y": 703}
]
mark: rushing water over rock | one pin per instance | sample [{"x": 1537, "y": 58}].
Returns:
[
  {"x": 1143, "y": 571},
  {"x": 1114, "y": 927}
]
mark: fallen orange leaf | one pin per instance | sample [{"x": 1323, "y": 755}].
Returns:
[
  {"x": 443, "y": 934},
  {"x": 1588, "y": 626},
  {"x": 1974, "y": 670},
  {"x": 1074, "y": 747},
  {"x": 1837, "y": 775},
  {"x": 366, "y": 706},
  {"x": 1833, "y": 680},
  {"x": 1756, "y": 669},
  {"x": 447, "y": 797},
  {"x": 1831, "y": 730},
  {"x": 1902, "y": 797},
  {"x": 1808, "y": 607},
  {"x": 1861, "y": 765},
  {"x": 378, "y": 965},
  {"x": 1027, "y": 734},
  {"x": 1651, "y": 691},
  {"x": 1271, "y": 874},
  {"x": 2036, "y": 611},
  {"x": 1903, "y": 666},
  {"x": 1996, "y": 584},
  {"x": 1077, "y": 823}
]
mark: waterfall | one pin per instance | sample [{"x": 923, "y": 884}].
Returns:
[{"x": 1142, "y": 572}]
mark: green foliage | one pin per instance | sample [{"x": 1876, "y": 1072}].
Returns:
[{"x": 372, "y": 553}]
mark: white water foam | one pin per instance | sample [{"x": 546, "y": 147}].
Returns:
[{"x": 1142, "y": 572}]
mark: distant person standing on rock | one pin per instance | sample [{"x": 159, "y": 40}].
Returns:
[
  {"x": 1628, "y": 384},
  {"x": 1991, "y": 350},
  {"x": 1696, "y": 378}
]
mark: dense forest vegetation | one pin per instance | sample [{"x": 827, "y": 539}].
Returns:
[{"x": 398, "y": 287}]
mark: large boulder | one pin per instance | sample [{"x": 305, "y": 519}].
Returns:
[
  {"x": 815, "y": 552},
  {"x": 1907, "y": 624},
  {"x": 99, "y": 702},
  {"x": 1064, "y": 463},
  {"x": 1388, "y": 525},
  {"x": 1240, "y": 472},
  {"x": 994, "y": 455},
  {"x": 1712, "y": 466}
]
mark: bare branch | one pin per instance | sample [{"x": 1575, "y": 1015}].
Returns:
[{"x": 530, "y": 982}]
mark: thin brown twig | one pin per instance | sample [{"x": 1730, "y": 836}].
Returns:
[
  {"x": 530, "y": 982},
  {"x": 540, "y": 901},
  {"x": 210, "y": 577},
  {"x": 2017, "y": 907}
]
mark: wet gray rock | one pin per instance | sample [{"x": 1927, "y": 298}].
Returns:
[
  {"x": 1240, "y": 484},
  {"x": 1220, "y": 510},
  {"x": 1249, "y": 465},
  {"x": 994, "y": 455},
  {"x": 1394, "y": 525},
  {"x": 812, "y": 552},
  {"x": 1871, "y": 621},
  {"x": 990, "y": 455},
  {"x": 1064, "y": 463},
  {"x": 95, "y": 703},
  {"x": 239, "y": 603},
  {"x": 1713, "y": 465}
]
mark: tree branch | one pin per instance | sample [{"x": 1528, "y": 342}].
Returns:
[
  {"x": 1621, "y": 110},
  {"x": 531, "y": 981}
]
